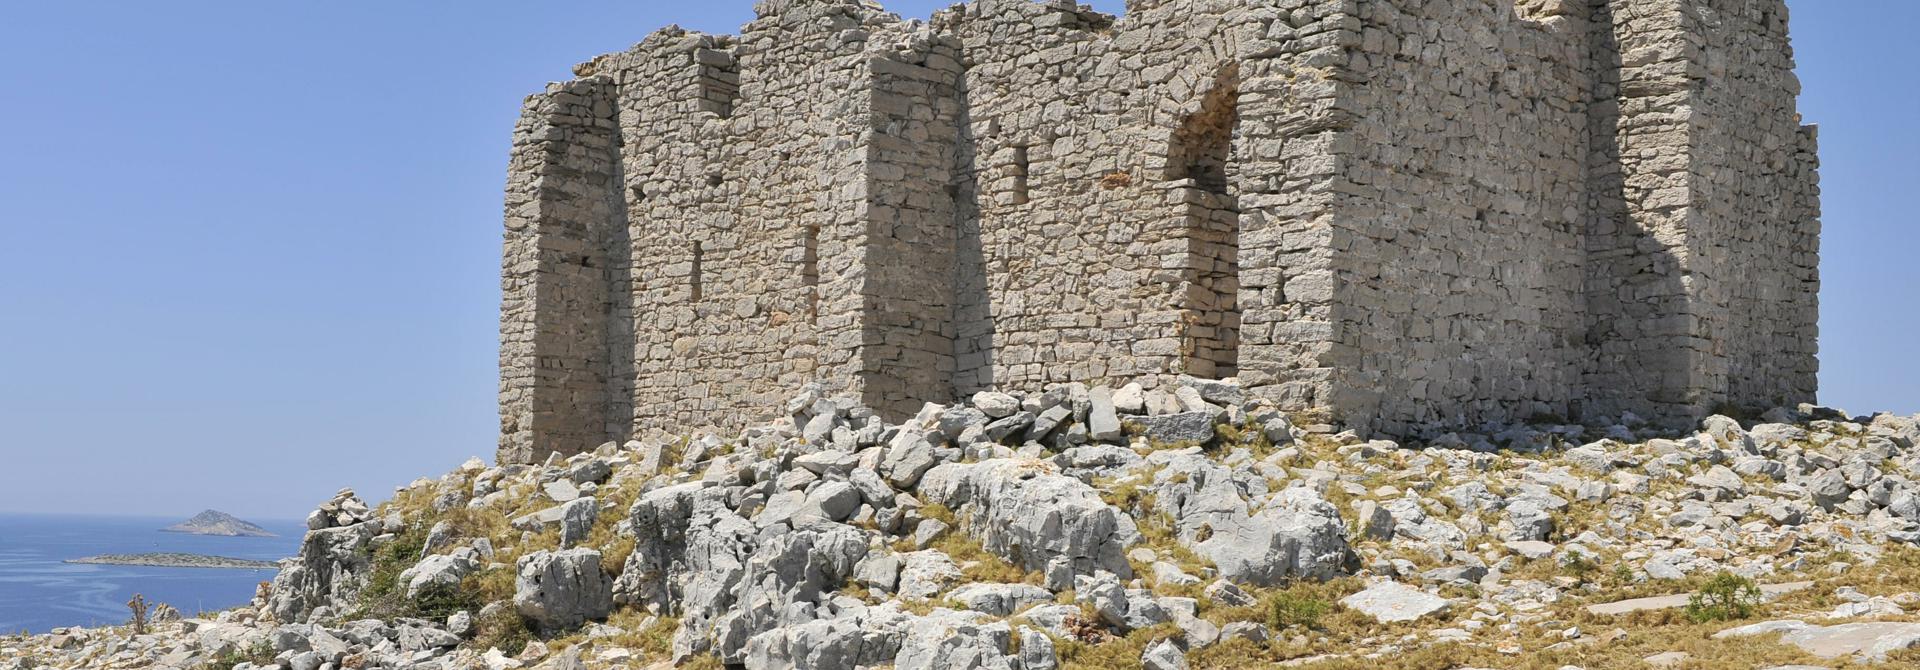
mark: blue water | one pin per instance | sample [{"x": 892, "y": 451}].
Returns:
[{"x": 38, "y": 592}]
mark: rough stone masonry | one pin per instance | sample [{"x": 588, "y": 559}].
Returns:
[{"x": 1410, "y": 215}]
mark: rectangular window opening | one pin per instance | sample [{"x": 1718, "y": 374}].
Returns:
[
  {"x": 810, "y": 271},
  {"x": 694, "y": 289},
  {"x": 1020, "y": 173}
]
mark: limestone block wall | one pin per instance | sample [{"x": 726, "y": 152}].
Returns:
[
  {"x": 1144, "y": 197},
  {"x": 1062, "y": 275},
  {"x": 1757, "y": 243},
  {"x": 750, "y": 229},
  {"x": 1639, "y": 352},
  {"x": 1703, "y": 272},
  {"x": 1459, "y": 296},
  {"x": 908, "y": 295},
  {"x": 562, "y": 201},
  {"x": 1415, "y": 216}
]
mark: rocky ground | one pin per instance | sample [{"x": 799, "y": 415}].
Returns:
[{"x": 1104, "y": 528}]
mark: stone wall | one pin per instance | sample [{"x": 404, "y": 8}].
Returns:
[
  {"x": 562, "y": 205},
  {"x": 1460, "y": 296},
  {"x": 1703, "y": 275},
  {"x": 1414, "y": 215},
  {"x": 1757, "y": 233}
]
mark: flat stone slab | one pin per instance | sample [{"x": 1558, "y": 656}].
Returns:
[
  {"x": 1667, "y": 660},
  {"x": 1531, "y": 549},
  {"x": 1182, "y": 428},
  {"x": 1872, "y": 641},
  {"x": 1680, "y": 600},
  {"x": 1390, "y": 602},
  {"x": 561, "y": 491}
]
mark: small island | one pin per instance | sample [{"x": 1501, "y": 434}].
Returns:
[
  {"x": 215, "y": 522},
  {"x": 172, "y": 560}
]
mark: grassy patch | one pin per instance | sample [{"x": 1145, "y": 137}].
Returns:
[
  {"x": 1114, "y": 652},
  {"x": 650, "y": 634},
  {"x": 976, "y": 563},
  {"x": 503, "y": 629}
]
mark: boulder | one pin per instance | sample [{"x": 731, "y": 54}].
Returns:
[
  {"x": 660, "y": 521},
  {"x": 828, "y": 644},
  {"x": 440, "y": 572},
  {"x": 1163, "y": 655},
  {"x": 741, "y": 583},
  {"x": 999, "y": 599},
  {"x": 1130, "y": 399},
  {"x": 949, "y": 640},
  {"x": 576, "y": 520},
  {"x": 827, "y": 463},
  {"x": 924, "y": 574},
  {"x": 1103, "y": 419},
  {"x": 559, "y": 590},
  {"x": 909, "y": 456},
  {"x": 1180, "y": 428},
  {"x": 1526, "y": 521},
  {"x": 1293, "y": 534},
  {"x": 1025, "y": 512},
  {"x": 1036, "y": 650},
  {"x": 1219, "y": 392},
  {"x": 834, "y": 501},
  {"x": 995, "y": 404}
]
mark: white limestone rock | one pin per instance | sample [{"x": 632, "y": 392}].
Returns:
[
  {"x": 559, "y": 590},
  {"x": 1393, "y": 602},
  {"x": 440, "y": 571},
  {"x": 1023, "y": 511}
]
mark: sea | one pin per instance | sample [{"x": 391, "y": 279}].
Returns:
[{"x": 39, "y": 592}]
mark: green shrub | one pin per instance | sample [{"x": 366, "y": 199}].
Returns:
[
  {"x": 384, "y": 597},
  {"x": 1286, "y": 610},
  {"x": 1622, "y": 573},
  {"x": 1725, "y": 597},
  {"x": 1579, "y": 566}
]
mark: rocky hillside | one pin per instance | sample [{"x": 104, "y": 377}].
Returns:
[{"x": 1104, "y": 528}]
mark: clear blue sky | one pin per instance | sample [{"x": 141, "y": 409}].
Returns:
[{"x": 249, "y": 250}]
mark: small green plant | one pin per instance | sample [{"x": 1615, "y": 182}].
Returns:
[
  {"x": 1579, "y": 566},
  {"x": 1287, "y": 610},
  {"x": 1725, "y": 597},
  {"x": 1622, "y": 573}
]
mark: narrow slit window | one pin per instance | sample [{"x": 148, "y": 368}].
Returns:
[
  {"x": 810, "y": 271},
  {"x": 1021, "y": 166},
  {"x": 694, "y": 287}
]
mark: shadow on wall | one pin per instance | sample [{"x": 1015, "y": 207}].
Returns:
[
  {"x": 972, "y": 305},
  {"x": 1635, "y": 284}
]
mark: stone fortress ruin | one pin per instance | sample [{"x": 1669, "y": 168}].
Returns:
[{"x": 1411, "y": 215}]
